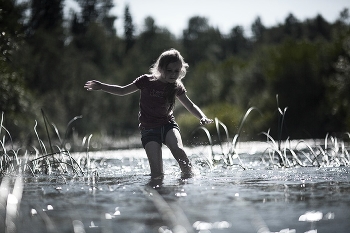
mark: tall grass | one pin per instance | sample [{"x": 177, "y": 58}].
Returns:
[
  {"x": 332, "y": 152},
  {"x": 278, "y": 153},
  {"x": 231, "y": 153},
  {"x": 45, "y": 158}
]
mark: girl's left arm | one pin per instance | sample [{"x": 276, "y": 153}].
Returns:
[{"x": 194, "y": 109}]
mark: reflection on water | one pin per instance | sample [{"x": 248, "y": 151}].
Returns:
[{"x": 119, "y": 198}]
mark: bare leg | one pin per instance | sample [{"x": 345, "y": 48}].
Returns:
[
  {"x": 174, "y": 142},
  {"x": 154, "y": 155}
]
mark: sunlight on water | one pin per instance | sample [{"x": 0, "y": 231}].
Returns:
[
  {"x": 312, "y": 216},
  {"x": 208, "y": 226},
  {"x": 12, "y": 199}
]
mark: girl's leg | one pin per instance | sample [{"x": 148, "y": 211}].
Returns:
[
  {"x": 173, "y": 141},
  {"x": 154, "y": 155}
]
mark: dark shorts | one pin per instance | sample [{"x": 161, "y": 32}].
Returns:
[{"x": 157, "y": 134}]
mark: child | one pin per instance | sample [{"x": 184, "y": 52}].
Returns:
[{"x": 157, "y": 122}]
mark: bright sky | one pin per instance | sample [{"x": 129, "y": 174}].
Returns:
[{"x": 224, "y": 14}]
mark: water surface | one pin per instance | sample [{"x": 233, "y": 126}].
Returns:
[{"x": 218, "y": 199}]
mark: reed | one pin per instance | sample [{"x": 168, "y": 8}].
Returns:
[
  {"x": 278, "y": 153},
  {"x": 304, "y": 154},
  {"x": 233, "y": 152},
  {"x": 280, "y": 124},
  {"x": 208, "y": 159},
  {"x": 228, "y": 155},
  {"x": 57, "y": 161}
]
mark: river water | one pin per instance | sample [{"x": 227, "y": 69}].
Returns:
[{"x": 119, "y": 197}]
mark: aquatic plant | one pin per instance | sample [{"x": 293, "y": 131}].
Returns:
[
  {"x": 332, "y": 152},
  {"x": 278, "y": 153},
  {"x": 228, "y": 155},
  {"x": 57, "y": 160},
  {"x": 43, "y": 159}
]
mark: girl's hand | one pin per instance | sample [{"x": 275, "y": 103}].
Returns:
[
  {"x": 205, "y": 121},
  {"x": 93, "y": 85}
]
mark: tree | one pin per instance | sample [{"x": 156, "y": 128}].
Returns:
[
  {"x": 94, "y": 11},
  {"x": 128, "y": 29},
  {"x": 11, "y": 38},
  {"x": 45, "y": 14},
  {"x": 237, "y": 43},
  {"x": 45, "y": 39},
  {"x": 258, "y": 30},
  {"x": 105, "y": 17},
  {"x": 292, "y": 27},
  {"x": 296, "y": 71},
  {"x": 15, "y": 97},
  {"x": 339, "y": 82},
  {"x": 318, "y": 28},
  {"x": 151, "y": 42},
  {"x": 201, "y": 42}
]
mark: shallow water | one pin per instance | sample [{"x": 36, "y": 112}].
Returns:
[{"x": 221, "y": 199}]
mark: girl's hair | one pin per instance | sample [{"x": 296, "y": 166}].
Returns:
[{"x": 167, "y": 57}]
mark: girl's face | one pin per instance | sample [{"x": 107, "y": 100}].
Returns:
[{"x": 171, "y": 72}]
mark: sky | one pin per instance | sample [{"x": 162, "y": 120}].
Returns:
[{"x": 223, "y": 14}]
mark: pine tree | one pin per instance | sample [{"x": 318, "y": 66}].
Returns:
[{"x": 128, "y": 29}]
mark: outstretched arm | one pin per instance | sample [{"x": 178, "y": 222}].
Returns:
[
  {"x": 194, "y": 109},
  {"x": 95, "y": 85}
]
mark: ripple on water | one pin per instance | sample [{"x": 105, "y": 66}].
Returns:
[{"x": 221, "y": 199}]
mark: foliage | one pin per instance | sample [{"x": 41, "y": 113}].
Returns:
[
  {"x": 15, "y": 97},
  {"x": 49, "y": 57}
]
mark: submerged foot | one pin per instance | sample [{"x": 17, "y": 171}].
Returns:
[
  {"x": 156, "y": 181},
  {"x": 187, "y": 175}
]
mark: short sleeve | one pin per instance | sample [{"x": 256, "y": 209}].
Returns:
[
  {"x": 142, "y": 81},
  {"x": 180, "y": 89}
]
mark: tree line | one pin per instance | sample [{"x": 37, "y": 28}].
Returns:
[{"x": 296, "y": 69}]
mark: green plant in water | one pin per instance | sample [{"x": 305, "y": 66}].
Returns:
[
  {"x": 208, "y": 160},
  {"x": 279, "y": 153},
  {"x": 8, "y": 157},
  {"x": 57, "y": 161},
  {"x": 231, "y": 152}
]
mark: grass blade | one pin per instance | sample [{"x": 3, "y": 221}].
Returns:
[{"x": 47, "y": 130}]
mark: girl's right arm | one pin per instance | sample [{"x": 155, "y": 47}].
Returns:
[{"x": 95, "y": 85}]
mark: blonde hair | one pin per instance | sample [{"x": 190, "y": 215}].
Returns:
[{"x": 167, "y": 57}]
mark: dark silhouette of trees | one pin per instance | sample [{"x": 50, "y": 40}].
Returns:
[
  {"x": 258, "y": 30},
  {"x": 129, "y": 29},
  {"x": 237, "y": 42},
  {"x": 292, "y": 27},
  {"x": 45, "y": 40},
  {"x": 45, "y": 15},
  {"x": 46, "y": 62},
  {"x": 201, "y": 41}
]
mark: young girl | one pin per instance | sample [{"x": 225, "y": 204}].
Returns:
[{"x": 157, "y": 122}]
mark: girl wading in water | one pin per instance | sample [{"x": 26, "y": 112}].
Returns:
[{"x": 156, "y": 120}]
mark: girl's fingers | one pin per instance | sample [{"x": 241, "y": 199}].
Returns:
[{"x": 89, "y": 85}]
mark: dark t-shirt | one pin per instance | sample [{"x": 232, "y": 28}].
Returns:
[{"x": 154, "y": 109}]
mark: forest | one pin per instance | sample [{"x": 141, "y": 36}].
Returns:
[{"x": 297, "y": 69}]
